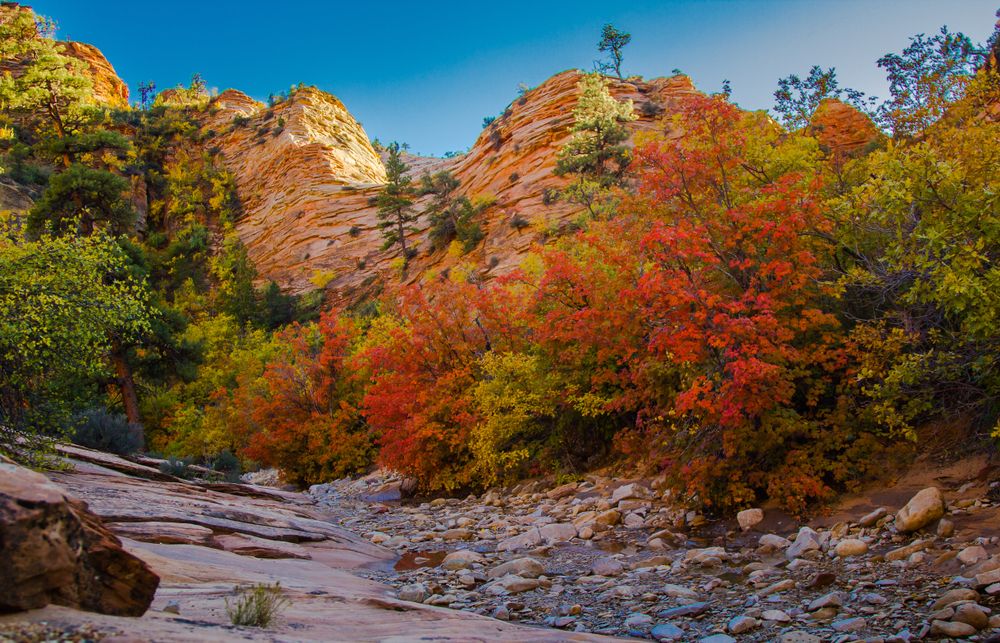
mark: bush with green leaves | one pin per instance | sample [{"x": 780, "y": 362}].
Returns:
[
  {"x": 100, "y": 429},
  {"x": 255, "y": 606}
]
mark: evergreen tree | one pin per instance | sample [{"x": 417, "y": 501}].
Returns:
[
  {"x": 451, "y": 216},
  {"x": 596, "y": 154},
  {"x": 612, "y": 42},
  {"x": 395, "y": 203}
]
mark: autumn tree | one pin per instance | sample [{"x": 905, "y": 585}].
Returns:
[
  {"x": 612, "y": 42},
  {"x": 596, "y": 156},
  {"x": 306, "y": 414},
  {"x": 60, "y": 312},
  {"x": 737, "y": 293},
  {"x": 395, "y": 203}
]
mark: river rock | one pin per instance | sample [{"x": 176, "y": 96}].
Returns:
[
  {"x": 806, "y": 540},
  {"x": 607, "y": 567},
  {"x": 972, "y": 614},
  {"x": 525, "y": 567},
  {"x": 461, "y": 559},
  {"x": 530, "y": 538},
  {"x": 954, "y": 596},
  {"x": 666, "y": 632},
  {"x": 972, "y": 555},
  {"x": 54, "y": 550},
  {"x": 851, "y": 547},
  {"x": 922, "y": 509},
  {"x": 749, "y": 518},
  {"x": 741, "y": 624},
  {"x": 951, "y": 629},
  {"x": 557, "y": 532}
]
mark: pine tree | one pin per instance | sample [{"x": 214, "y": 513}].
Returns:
[
  {"x": 612, "y": 42},
  {"x": 596, "y": 154},
  {"x": 395, "y": 203}
]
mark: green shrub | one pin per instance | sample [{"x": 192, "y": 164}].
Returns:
[
  {"x": 104, "y": 431},
  {"x": 255, "y": 606},
  {"x": 229, "y": 465},
  {"x": 177, "y": 468}
]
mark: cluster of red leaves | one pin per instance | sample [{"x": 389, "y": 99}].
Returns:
[{"x": 303, "y": 415}]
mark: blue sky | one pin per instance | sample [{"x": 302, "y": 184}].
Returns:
[{"x": 428, "y": 72}]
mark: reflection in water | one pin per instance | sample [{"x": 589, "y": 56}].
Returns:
[{"x": 417, "y": 559}]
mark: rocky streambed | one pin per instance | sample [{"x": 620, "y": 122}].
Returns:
[
  {"x": 615, "y": 557},
  {"x": 585, "y": 561}
]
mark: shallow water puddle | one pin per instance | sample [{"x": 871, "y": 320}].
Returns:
[{"x": 417, "y": 559}]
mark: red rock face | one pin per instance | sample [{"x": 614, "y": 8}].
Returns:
[
  {"x": 841, "y": 128},
  {"x": 108, "y": 87},
  {"x": 306, "y": 189},
  {"x": 55, "y": 551}
]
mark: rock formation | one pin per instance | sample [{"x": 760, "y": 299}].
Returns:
[
  {"x": 841, "y": 128},
  {"x": 305, "y": 173},
  {"x": 108, "y": 87},
  {"x": 56, "y": 551}
]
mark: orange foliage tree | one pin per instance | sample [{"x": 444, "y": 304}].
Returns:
[
  {"x": 303, "y": 414},
  {"x": 736, "y": 295}
]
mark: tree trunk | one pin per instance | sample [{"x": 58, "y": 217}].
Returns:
[{"x": 126, "y": 383}]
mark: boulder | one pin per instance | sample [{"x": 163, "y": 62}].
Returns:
[
  {"x": 749, "y": 518},
  {"x": 56, "y": 551},
  {"x": 922, "y": 509}
]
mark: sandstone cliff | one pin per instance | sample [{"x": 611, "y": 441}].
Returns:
[
  {"x": 305, "y": 184},
  {"x": 108, "y": 87}
]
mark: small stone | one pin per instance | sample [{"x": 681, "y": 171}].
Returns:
[
  {"x": 954, "y": 596},
  {"x": 524, "y": 567},
  {"x": 909, "y": 550},
  {"x": 833, "y": 599},
  {"x": 972, "y": 555},
  {"x": 778, "y": 616},
  {"x": 172, "y": 607},
  {"x": 781, "y": 586},
  {"x": 806, "y": 540},
  {"x": 798, "y": 636},
  {"x": 557, "y": 532},
  {"x": 922, "y": 509},
  {"x": 718, "y": 638},
  {"x": 871, "y": 518},
  {"x": 633, "y": 521},
  {"x": 586, "y": 533},
  {"x": 607, "y": 567},
  {"x": 945, "y": 528},
  {"x": 501, "y": 613},
  {"x": 692, "y": 609},
  {"x": 773, "y": 542},
  {"x": 951, "y": 629},
  {"x": 414, "y": 593},
  {"x": 750, "y": 518},
  {"x": 666, "y": 632},
  {"x": 638, "y": 620},
  {"x": 849, "y": 624},
  {"x": 741, "y": 624},
  {"x": 678, "y": 591},
  {"x": 459, "y": 533},
  {"x": 461, "y": 559},
  {"x": 530, "y": 538},
  {"x": 851, "y": 547},
  {"x": 973, "y": 615}
]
